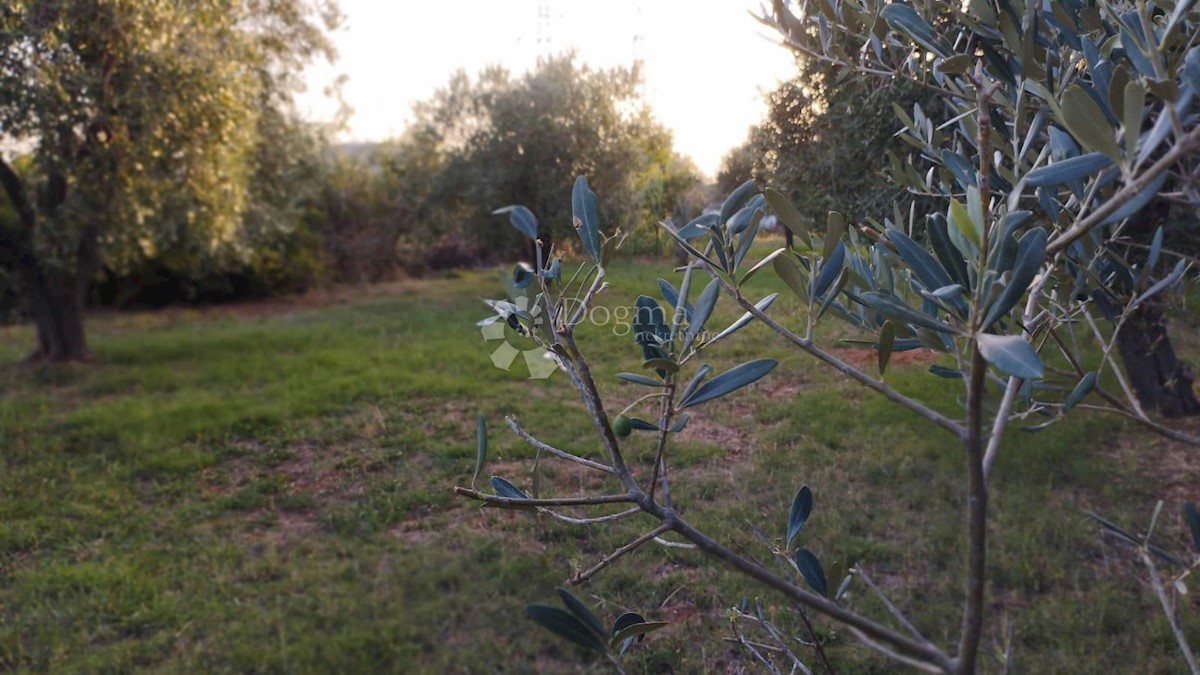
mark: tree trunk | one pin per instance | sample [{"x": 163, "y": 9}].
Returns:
[
  {"x": 1160, "y": 381},
  {"x": 57, "y": 302},
  {"x": 56, "y": 296}
]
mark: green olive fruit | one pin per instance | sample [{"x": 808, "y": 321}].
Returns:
[{"x": 622, "y": 426}]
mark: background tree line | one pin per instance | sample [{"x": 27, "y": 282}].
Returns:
[{"x": 141, "y": 174}]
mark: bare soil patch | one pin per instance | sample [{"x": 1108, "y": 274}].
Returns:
[
  {"x": 708, "y": 430},
  {"x": 1171, "y": 467},
  {"x": 863, "y": 357}
]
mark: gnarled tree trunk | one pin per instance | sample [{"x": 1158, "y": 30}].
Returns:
[
  {"x": 1159, "y": 380},
  {"x": 56, "y": 292},
  {"x": 57, "y": 301}
]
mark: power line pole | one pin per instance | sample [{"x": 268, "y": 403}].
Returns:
[{"x": 545, "y": 27}]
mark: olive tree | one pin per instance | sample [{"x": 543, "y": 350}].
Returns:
[
  {"x": 522, "y": 138},
  {"x": 140, "y": 120},
  {"x": 1066, "y": 121},
  {"x": 1134, "y": 66}
]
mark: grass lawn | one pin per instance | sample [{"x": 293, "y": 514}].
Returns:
[{"x": 268, "y": 489}]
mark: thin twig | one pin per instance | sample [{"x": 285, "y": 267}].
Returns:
[
  {"x": 549, "y": 302},
  {"x": 584, "y": 500},
  {"x": 1119, "y": 406},
  {"x": 797, "y": 664},
  {"x": 741, "y": 638},
  {"x": 854, "y": 373},
  {"x": 590, "y": 521},
  {"x": 787, "y": 22},
  {"x": 666, "y": 409},
  {"x": 615, "y": 555},
  {"x": 1168, "y": 432},
  {"x": 1182, "y": 148},
  {"x": 1167, "y": 252},
  {"x": 665, "y": 482},
  {"x": 770, "y": 648},
  {"x": 1009, "y": 632},
  {"x": 891, "y": 608},
  {"x": 768, "y": 626},
  {"x": 1107, "y": 358},
  {"x": 1134, "y": 410},
  {"x": 1000, "y": 422},
  {"x": 1014, "y": 386},
  {"x": 891, "y": 653},
  {"x": 1156, "y": 584},
  {"x": 581, "y": 311},
  {"x": 674, "y": 544},
  {"x": 923, "y": 652},
  {"x": 775, "y": 635},
  {"x": 913, "y": 651},
  {"x": 561, "y": 454}
]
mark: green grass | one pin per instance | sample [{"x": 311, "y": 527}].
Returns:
[{"x": 271, "y": 492}]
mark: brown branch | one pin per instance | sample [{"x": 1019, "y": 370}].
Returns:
[
  {"x": 913, "y": 650},
  {"x": 972, "y": 619},
  {"x": 595, "y": 407},
  {"x": 972, "y": 623},
  {"x": 615, "y": 555}
]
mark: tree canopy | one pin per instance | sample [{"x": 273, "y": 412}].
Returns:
[{"x": 508, "y": 139}]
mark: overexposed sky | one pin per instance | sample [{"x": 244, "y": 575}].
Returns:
[{"x": 707, "y": 65}]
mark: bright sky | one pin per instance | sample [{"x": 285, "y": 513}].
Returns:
[{"x": 707, "y": 66}]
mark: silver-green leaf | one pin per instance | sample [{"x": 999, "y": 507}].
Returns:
[
  {"x": 521, "y": 218},
  {"x": 585, "y": 217},
  {"x": 730, "y": 380},
  {"x": 1012, "y": 354}
]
